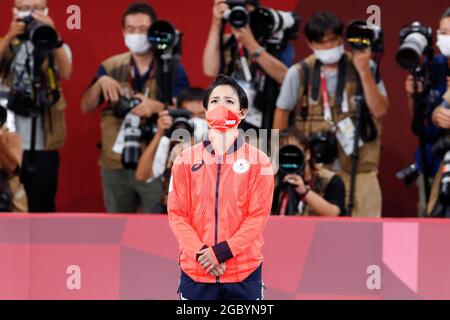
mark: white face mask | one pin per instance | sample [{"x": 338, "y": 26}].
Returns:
[
  {"x": 330, "y": 56},
  {"x": 443, "y": 44},
  {"x": 137, "y": 43},
  {"x": 201, "y": 129},
  {"x": 23, "y": 14}
]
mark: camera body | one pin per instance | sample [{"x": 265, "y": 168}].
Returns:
[
  {"x": 124, "y": 106},
  {"x": 416, "y": 40},
  {"x": 409, "y": 175},
  {"x": 43, "y": 36},
  {"x": 361, "y": 36},
  {"x": 323, "y": 146}
]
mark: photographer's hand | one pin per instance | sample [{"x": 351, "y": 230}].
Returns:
[
  {"x": 270, "y": 64},
  {"x": 148, "y": 106},
  {"x": 39, "y": 16},
  {"x": 378, "y": 103},
  {"x": 361, "y": 60},
  {"x": 165, "y": 122},
  {"x": 111, "y": 88},
  {"x": 441, "y": 117},
  {"x": 246, "y": 38},
  {"x": 16, "y": 28},
  {"x": 296, "y": 181},
  {"x": 409, "y": 86},
  {"x": 219, "y": 8}
]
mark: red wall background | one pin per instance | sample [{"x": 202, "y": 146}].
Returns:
[{"x": 100, "y": 37}]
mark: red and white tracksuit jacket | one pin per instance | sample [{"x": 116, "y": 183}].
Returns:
[{"x": 224, "y": 203}]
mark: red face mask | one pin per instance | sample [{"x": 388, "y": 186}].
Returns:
[{"x": 222, "y": 119}]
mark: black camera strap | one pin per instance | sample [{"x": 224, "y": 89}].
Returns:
[
  {"x": 132, "y": 79},
  {"x": 304, "y": 111},
  {"x": 316, "y": 81}
]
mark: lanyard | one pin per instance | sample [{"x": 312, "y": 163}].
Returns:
[
  {"x": 244, "y": 63},
  {"x": 326, "y": 99},
  {"x": 132, "y": 76}
]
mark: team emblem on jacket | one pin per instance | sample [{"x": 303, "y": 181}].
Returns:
[{"x": 241, "y": 166}]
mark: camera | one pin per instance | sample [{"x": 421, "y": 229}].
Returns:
[
  {"x": 323, "y": 146},
  {"x": 409, "y": 175},
  {"x": 3, "y": 116},
  {"x": 182, "y": 120},
  {"x": 164, "y": 37},
  {"x": 444, "y": 194},
  {"x": 132, "y": 146},
  {"x": 361, "y": 36},
  {"x": 274, "y": 26},
  {"x": 43, "y": 36},
  {"x": 416, "y": 40},
  {"x": 237, "y": 16},
  {"x": 291, "y": 160},
  {"x": 124, "y": 106}
]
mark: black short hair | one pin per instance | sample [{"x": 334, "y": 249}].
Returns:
[
  {"x": 446, "y": 13},
  {"x": 139, "y": 7},
  {"x": 255, "y": 3},
  {"x": 223, "y": 80},
  {"x": 189, "y": 95},
  {"x": 321, "y": 23}
]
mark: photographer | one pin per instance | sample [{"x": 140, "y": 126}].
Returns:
[
  {"x": 11, "y": 153},
  {"x": 319, "y": 192},
  {"x": 324, "y": 85},
  {"x": 131, "y": 79},
  {"x": 437, "y": 113},
  {"x": 39, "y": 115},
  {"x": 157, "y": 159},
  {"x": 267, "y": 65}
]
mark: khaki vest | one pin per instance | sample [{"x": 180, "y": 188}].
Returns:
[
  {"x": 321, "y": 180},
  {"x": 370, "y": 153},
  {"x": 55, "y": 128},
  {"x": 117, "y": 67}
]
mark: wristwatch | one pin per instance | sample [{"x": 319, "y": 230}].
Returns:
[{"x": 257, "y": 53}]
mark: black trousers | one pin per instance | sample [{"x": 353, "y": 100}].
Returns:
[
  {"x": 250, "y": 289},
  {"x": 41, "y": 183}
]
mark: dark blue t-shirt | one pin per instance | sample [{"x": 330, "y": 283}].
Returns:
[{"x": 434, "y": 93}]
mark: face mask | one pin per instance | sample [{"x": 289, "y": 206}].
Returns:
[
  {"x": 23, "y": 14},
  {"x": 200, "y": 129},
  {"x": 443, "y": 44},
  {"x": 330, "y": 56},
  {"x": 137, "y": 43},
  {"x": 222, "y": 119}
]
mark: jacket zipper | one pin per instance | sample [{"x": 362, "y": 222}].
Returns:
[{"x": 217, "y": 206}]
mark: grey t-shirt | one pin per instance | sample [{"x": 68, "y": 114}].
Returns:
[
  {"x": 289, "y": 93},
  {"x": 22, "y": 82}
]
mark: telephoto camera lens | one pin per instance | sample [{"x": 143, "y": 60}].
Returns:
[
  {"x": 291, "y": 160},
  {"x": 132, "y": 148},
  {"x": 43, "y": 36},
  {"x": 237, "y": 16},
  {"x": 416, "y": 41}
]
